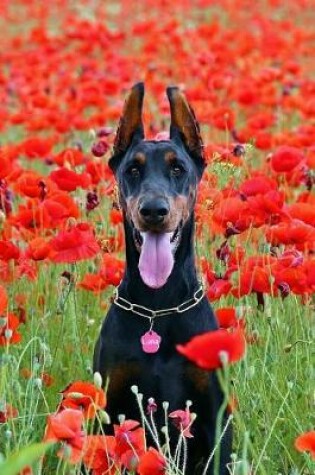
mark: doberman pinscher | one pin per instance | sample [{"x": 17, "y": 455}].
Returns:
[{"x": 157, "y": 183}]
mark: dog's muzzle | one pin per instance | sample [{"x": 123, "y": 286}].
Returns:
[{"x": 154, "y": 211}]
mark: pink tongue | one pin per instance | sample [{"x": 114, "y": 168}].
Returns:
[{"x": 156, "y": 259}]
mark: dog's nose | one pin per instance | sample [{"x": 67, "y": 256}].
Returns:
[{"x": 154, "y": 211}]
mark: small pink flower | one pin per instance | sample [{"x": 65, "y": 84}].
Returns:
[
  {"x": 151, "y": 406},
  {"x": 182, "y": 420}
]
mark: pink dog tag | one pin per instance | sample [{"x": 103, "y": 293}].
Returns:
[{"x": 150, "y": 342}]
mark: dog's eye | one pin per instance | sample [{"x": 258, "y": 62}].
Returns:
[
  {"x": 134, "y": 172},
  {"x": 176, "y": 170}
]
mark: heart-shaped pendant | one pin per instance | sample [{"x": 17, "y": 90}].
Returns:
[{"x": 150, "y": 342}]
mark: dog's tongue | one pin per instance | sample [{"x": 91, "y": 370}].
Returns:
[{"x": 156, "y": 259}]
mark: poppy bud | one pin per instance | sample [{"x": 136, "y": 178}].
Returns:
[
  {"x": 98, "y": 380},
  {"x": 104, "y": 132},
  {"x": 67, "y": 276},
  {"x": 92, "y": 201},
  {"x": 134, "y": 389},
  {"x": 224, "y": 358},
  {"x": 231, "y": 231},
  {"x": 152, "y": 406},
  {"x": 67, "y": 451},
  {"x": 43, "y": 189},
  {"x": 8, "y": 434},
  {"x": 239, "y": 150},
  {"x": 8, "y": 334},
  {"x": 3, "y": 322},
  {"x": 100, "y": 148},
  {"x": 38, "y": 383},
  {"x": 284, "y": 289},
  {"x": 104, "y": 417},
  {"x": 287, "y": 348},
  {"x": 75, "y": 395},
  {"x": 223, "y": 253},
  {"x": 121, "y": 418}
]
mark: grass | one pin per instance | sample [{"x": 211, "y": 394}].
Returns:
[{"x": 273, "y": 385}]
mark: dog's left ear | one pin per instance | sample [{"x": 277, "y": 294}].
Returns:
[
  {"x": 184, "y": 127},
  {"x": 130, "y": 128}
]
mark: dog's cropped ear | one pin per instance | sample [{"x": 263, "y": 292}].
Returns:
[
  {"x": 130, "y": 128},
  {"x": 184, "y": 127}
]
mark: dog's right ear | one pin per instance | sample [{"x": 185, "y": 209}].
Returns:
[
  {"x": 185, "y": 128},
  {"x": 130, "y": 129}
]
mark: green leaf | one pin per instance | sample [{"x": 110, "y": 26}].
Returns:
[{"x": 19, "y": 460}]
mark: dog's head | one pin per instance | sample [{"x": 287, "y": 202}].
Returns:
[{"x": 157, "y": 181}]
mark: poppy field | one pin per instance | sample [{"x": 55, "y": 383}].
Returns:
[{"x": 247, "y": 69}]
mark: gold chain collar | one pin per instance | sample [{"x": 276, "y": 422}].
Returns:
[{"x": 151, "y": 314}]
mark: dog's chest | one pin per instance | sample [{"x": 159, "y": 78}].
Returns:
[{"x": 164, "y": 375}]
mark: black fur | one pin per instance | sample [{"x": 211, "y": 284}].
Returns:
[{"x": 165, "y": 375}]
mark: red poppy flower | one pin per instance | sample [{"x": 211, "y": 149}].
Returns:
[
  {"x": 310, "y": 275},
  {"x": 99, "y": 171},
  {"x": 227, "y": 317},
  {"x": 130, "y": 443},
  {"x": 99, "y": 454},
  {"x": 74, "y": 245},
  {"x": 47, "y": 214},
  {"x": 295, "y": 232},
  {"x": 285, "y": 159},
  {"x": 261, "y": 120},
  {"x": 31, "y": 184},
  {"x": 294, "y": 277},
  {"x": 38, "y": 249},
  {"x": 27, "y": 268},
  {"x": 290, "y": 258},
  {"x": 218, "y": 289},
  {"x": 112, "y": 269},
  {"x": 71, "y": 156},
  {"x": 223, "y": 118},
  {"x": 5, "y": 165},
  {"x": 93, "y": 282},
  {"x": 9, "y": 251},
  {"x": 69, "y": 180},
  {"x": 115, "y": 217},
  {"x": 8, "y": 412},
  {"x": 83, "y": 396},
  {"x": 152, "y": 463},
  {"x": 232, "y": 212},
  {"x": 66, "y": 426},
  {"x": 303, "y": 211},
  {"x": 36, "y": 147},
  {"x": 3, "y": 300},
  {"x": 8, "y": 330},
  {"x": 267, "y": 208},
  {"x": 258, "y": 185},
  {"x": 257, "y": 279},
  {"x": 206, "y": 350},
  {"x": 55, "y": 209},
  {"x": 306, "y": 443}
]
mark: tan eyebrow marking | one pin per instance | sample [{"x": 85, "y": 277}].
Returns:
[
  {"x": 140, "y": 158},
  {"x": 170, "y": 156}
]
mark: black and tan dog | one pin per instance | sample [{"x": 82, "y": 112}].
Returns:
[{"x": 157, "y": 185}]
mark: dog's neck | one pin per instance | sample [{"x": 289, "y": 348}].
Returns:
[{"x": 181, "y": 284}]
